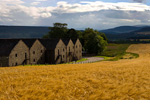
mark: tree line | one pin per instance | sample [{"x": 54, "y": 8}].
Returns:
[{"x": 93, "y": 42}]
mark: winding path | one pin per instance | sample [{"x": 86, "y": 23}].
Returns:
[{"x": 91, "y": 60}]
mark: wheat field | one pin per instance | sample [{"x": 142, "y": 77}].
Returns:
[{"x": 127, "y": 79}]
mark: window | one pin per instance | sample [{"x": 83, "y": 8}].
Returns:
[
  {"x": 41, "y": 51},
  {"x": 76, "y": 46},
  {"x": 25, "y": 55},
  {"x": 16, "y": 63},
  {"x": 16, "y": 55},
  {"x": 73, "y": 47},
  {"x": 69, "y": 49},
  {"x": 58, "y": 51},
  {"x": 63, "y": 50},
  {"x": 33, "y": 60},
  {"x": 33, "y": 52},
  {"x": 63, "y": 56}
]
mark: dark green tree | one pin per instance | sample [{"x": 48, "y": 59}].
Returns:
[
  {"x": 104, "y": 36},
  {"x": 94, "y": 43},
  {"x": 59, "y": 30},
  {"x": 72, "y": 33}
]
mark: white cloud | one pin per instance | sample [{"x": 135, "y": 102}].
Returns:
[
  {"x": 35, "y": 3},
  {"x": 8, "y": 8},
  {"x": 11, "y": 2},
  {"x": 98, "y": 5},
  {"x": 99, "y": 14},
  {"x": 40, "y": 0},
  {"x": 35, "y": 12}
]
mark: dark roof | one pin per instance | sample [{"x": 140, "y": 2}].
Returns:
[
  {"x": 6, "y": 46},
  {"x": 49, "y": 44},
  {"x": 74, "y": 41},
  {"x": 66, "y": 41},
  {"x": 29, "y": 42}
]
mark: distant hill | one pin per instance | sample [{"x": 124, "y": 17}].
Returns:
[
  {"x": 118, "y": 33},
  {"x": 121, "y": 29},
  {"x": 126, "y": 32},
  {"x": 144, "y": 31},
  {"x": 22, "y": 31}
]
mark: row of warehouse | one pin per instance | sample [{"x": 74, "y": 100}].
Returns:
[{"x": 15, "y": 52}]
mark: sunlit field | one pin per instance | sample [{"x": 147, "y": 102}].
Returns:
[{"x": 126, "y": 79}]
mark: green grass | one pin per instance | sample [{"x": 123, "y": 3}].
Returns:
[
  {"x": 83, "y": 59},
  {"x": 115, "y": 52},
  {"x": 105, "y": 58}
]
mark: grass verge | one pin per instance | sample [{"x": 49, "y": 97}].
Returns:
[
  {"x": 115, "y": 52},
  {"x": 83, "y": 59}
]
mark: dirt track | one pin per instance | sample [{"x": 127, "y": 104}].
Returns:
[{"x": 92, "y": 59}]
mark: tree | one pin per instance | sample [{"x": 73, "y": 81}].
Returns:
[
  {"x": 72, "y": 33},
  {"x": 104, "y": 36},
  {"x": 59, "y": 30},
  {"x": 94, "y": 43}
]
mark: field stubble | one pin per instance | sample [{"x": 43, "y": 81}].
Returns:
[{"x": 108, "y": 80}]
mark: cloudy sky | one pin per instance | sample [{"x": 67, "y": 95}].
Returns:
[{"x": 97, "y": 14}]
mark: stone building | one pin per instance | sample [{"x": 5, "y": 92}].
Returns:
[
  {"x": 55, "y": 51},
  {"x": 13, "y": 52},
  {"x": 70, "y": 49},
  {"x": 36, "y": 51},
  {"x": 77, "y": 49}
]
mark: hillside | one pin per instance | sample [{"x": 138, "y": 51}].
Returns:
[
  {"x": 22, "y": 31},
  {"x": 142, "y": 32},
  {"x": 121, "y": 29},
  {"x": 112, "y": 80},
  {"x": 118, "y": 33}
]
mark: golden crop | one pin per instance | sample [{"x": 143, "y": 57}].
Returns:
[{"x": 123, "y": 79}]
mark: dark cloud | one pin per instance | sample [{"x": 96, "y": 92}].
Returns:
[
  {"x": 99, "y": 19},
  {"x": 140, "y": 1}
]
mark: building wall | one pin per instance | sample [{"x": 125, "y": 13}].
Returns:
[
  {"x": 19, "y": 54},
  {"x": 60, "y": 53},
  {"x": 37, "y": 53},
  {"x": 3, "y": 61},
  {"x": 70, "y": 51},
  {"x": 78, "y": 50}
]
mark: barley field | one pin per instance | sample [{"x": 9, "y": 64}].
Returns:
[{"x": 127, "y": 79}]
